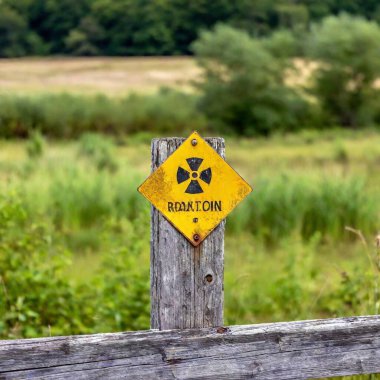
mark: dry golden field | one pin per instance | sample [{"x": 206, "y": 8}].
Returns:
[{"x": 110, "y": 76}]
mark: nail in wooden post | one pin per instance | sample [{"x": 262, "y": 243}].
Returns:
[{"x": 186, "y": 282}]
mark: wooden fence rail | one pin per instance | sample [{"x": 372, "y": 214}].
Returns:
[{"x": 286, "y": 350}]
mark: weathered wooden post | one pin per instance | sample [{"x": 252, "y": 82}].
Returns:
[
  {"x": 193, "y": 191},
  {"x": 186, "y": 281}
]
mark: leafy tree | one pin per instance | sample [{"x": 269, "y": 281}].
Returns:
[
  {"x": 187, "y": 19},
  {"x": 86, "y": 38},
  {"x": 243, "y": 88},
  {"x": 134, "y": 27},
  {"x": 292, "y": 16},
  {"x": 282, "y": 45},
  {"x": 318, "y": 9},
  {"x": 347, "y": 48},
  {"x": 143, "y": 27},
  {"x": 356, "y": 7},
  {"x": 16, "y": 37},
  {"x": 12, "y": 31},
  {"x": 256, "y": 17},
  {"x": 53, "y": 20}
]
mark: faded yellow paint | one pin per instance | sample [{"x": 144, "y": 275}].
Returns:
[{"x": 195, "y": 215}]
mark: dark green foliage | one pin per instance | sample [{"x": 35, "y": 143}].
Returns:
[
  {"x": 247, "y": 83},
  {"x": 86, "y": 39},
  {"x": 292, "y": 16},
  {"x": 53, "y": 20},
  {"x": 189, "y": 18},
  {"x": 140, "y": 27},
  {"x": 135, "y": 27},
  {"x": 15, "y": 38}
]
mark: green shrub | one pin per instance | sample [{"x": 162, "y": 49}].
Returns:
[
  {"x": 347, "y": 49},
  {"x": 243, "y": 88},
  {"x": 36, "y": 299}
]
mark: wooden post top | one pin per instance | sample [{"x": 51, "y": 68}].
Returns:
[{"x": 186, "y": 281}]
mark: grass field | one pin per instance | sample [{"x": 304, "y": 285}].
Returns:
[
  {"x": 288, "y": 253},
  {"x": 61, "y": 180},
  {"x": 114, "y": 77},
  {"x": 88, "y": 76}
]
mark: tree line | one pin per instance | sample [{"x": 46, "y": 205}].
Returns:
[
  {"x": 144, "y": 27},
  {"x": 326, "y": 77}
]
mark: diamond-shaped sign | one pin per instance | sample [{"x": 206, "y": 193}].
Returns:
[{"x": 195, "y": 189}]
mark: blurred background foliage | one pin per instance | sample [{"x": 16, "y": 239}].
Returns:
[
  {"x": 324, "y": 75},
  {"x": 74, "y": 232},
  {"x": 293, "y": 86},
  {"x": 139, "y": 27}
]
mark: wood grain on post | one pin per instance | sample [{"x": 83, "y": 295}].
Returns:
[{"x": 186, "y": 282}]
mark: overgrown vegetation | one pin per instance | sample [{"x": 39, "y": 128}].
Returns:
[
  {"x": 288, "y": 204},
  {"x": 249, "y": 86},
  {"x": 74, "y": 235},
  {"x": 39, "y": 299},
  {"x": 70, "y": 116}
]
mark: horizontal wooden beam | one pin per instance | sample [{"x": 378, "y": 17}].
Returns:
[{"x": 286, "y": 350}]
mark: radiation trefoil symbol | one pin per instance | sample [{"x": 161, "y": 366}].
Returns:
[{"x": 195, "y": 186}]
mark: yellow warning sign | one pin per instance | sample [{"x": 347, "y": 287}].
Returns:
[{"x": 195, "y": 189}]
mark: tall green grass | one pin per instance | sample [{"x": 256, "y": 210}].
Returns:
[
  {"x": 68, "y": 116},
  {"x": 81, "y": 192},
  {"x": 281, "y": 206},
  {"x": 288, "y": 255},
  {"x": 286, "y": 204},
  {"x": 39, "y": 297}
]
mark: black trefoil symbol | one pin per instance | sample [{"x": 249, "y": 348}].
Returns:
[{"x": 183, "y": 175}]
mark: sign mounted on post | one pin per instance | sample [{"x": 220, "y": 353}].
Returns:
[{"x": 195, "y": 189}]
